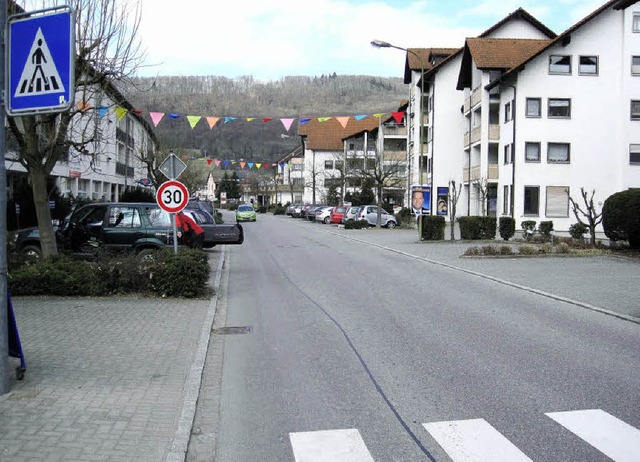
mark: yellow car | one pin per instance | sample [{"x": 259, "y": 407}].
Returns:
[{"x": 245, "y": 212}]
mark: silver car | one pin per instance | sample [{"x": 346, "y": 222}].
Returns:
[
  {"x": 323, "y": 214},
  {"x": 370, "y": 213}
]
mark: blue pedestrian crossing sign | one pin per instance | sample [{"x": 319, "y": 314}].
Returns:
[{"x": 40, "y": 62}]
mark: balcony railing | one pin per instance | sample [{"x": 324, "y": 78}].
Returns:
[
  {"x": 475, "y": 134},
  {"x": 494, "y": 132},
  {"x": 396, "y": 131},
  {"x": 493, "y": 172},
  {"x": 474, "y": 173},
  {"x": 476, "y": 96}
]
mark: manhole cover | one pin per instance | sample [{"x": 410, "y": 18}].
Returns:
[{"x": 232, "y": 330}]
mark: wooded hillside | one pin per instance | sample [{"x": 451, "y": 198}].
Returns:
[{"x": 245, "y": 97}]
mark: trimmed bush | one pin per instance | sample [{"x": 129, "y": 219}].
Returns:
[
  {"x": 162, "y": 273},
  {"x": 507, "y": 226},
  {"x": 433, "y": 227},
  {"x": 528, "y": 227},
  {"x": 526, "y": 249},
  {"x": 545, "y": 228},
  {"x": 279, "y": 210},
  {"x": 355, "y": 224},
  {"x": 262, "y": 209},
  {"x": 506, "y": 250},
  {"x": 621, "y": 217},
  {"x": 563, "y": 247},
  {"x": 476, "y": 228},
  {"x": 577, "y": 230}
]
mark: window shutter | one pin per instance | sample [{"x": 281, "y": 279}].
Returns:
[{"x": 557, "y": 201}]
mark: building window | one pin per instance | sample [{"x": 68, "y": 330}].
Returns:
[
  {"x": 534, "y": 107},
  {"x": 507, "y": 154},
  {"x": 328, "y": 165},
  {"x": 532, "y": 152},
  {"x": 634, "y": 154},
  {"x": 505, "y": 200},
  {"x": 588, "y": 65},
  {"x": 635, "y": 65},
  {"x": 558, "y": 153},
  {"x": 531, "y": 200},
  {"x": 560, "y": 64},
  {"x": 635, "y": 109},
  {"x": 559, "y": 108},
  {"x": 557, "y": 201},
  {"x": 636, "y": 22},
  {"x": 507, "y": 112}
]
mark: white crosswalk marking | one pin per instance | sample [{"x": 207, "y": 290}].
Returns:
[
  {"x": 610, "y": 435},
  {"x": 329, "y": 446},
  {"x": 474, "y": 440}
]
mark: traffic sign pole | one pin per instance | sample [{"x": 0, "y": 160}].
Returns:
[
  {"x": 4, "y": 289},
  {"x": 173, "y": 196}
]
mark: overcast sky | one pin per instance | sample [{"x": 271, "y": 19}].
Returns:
[{"x": 272, "y": 39}]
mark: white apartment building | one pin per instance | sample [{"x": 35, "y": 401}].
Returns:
[
  {"x": 112, "y": 162},
  {"x": 523, "y": 119}
]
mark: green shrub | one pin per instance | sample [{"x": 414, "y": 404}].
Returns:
[
  {"x": 545, "y": 228},
  {"x": 433, "y": 227},
  {"x": 562, "y": 247},
  {"x": 621, "y": 217},
  {"x": 577, "y": 230},
  {"x": 475, "y": 228},
  {"x": 547, "y": 247},
  {"x": 528, "y": 227},
  {"x": 262, "y": 209},
  {"x": 507, "y": 227},
  {"x": 163, "y": 273},
  {"x": 355, "y": 224},
  {"x": 279, "y": 210}
]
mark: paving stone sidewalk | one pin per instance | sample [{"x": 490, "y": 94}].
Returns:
[{"x": 108, "y": 379}]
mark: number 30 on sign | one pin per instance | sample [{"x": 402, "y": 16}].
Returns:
[{"x": 172, "y": 196}]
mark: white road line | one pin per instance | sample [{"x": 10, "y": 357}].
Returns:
[
  {"x": 474, "y": 440},
  {"x": 610, "y": 435},
  {"x": 330, "y": 446}
]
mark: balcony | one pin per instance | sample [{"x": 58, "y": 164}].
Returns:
[
  {"x": 394, "y": 155},
  {"x": 400, "y": 130},
  {"x": 476, "y": 96},
  {"x": 475, "y": 134},
  {"x": 494, "y": 132},
  {"x": 474, "y": 174},
  {"x": 493, "y": 172}
]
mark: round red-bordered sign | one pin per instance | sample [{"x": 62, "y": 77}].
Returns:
[{"x": 172, "y": 196}]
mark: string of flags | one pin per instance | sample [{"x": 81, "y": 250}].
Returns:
[{"x": 212, "y": 121}]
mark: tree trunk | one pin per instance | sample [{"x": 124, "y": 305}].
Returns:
[{"x": 43, "y": 213}]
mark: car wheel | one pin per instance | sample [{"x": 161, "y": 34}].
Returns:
[
  {"x": 391, "y": 224},
  {"x": 31, "y": 252},
  {"x": 326, "y": 220}
]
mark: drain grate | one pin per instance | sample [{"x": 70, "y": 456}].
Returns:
[{"x": 232, "y": 330}]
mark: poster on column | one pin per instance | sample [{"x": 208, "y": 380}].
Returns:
[
  {"x": 443, "y": 201},
  {"x": 421, "y": 199}
]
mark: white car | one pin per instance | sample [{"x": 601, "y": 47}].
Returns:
[
  {"x": 370, "y": 213},
  {"x": 323, "y": 215}
]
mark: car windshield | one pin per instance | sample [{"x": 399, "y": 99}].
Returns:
[{"x": 245, "y": 208}]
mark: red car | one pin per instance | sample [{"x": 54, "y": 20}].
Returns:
[{"x": 337, "y": 214}]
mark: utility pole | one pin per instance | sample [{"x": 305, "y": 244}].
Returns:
[{"x": 4, "y": 324}]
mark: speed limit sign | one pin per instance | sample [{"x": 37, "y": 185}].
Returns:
[{"x": 172, "y": 196}]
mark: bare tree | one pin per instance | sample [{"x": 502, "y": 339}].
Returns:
[
  {"x": 588, "y": 215},
  {"x": 482, "y": 187},
  {"x": 454, "y": 194},
  {"x": 107, "y": 51}
]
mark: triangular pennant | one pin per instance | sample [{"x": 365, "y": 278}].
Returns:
[
  {"x": 266, "y": 165},
  {"x": 343, "y": 121},
  {"x": 102, "y": 111},
  {"x": 378, "y": 115},
  {"x": 156, "y": 117},
  {"x": 174, "y": 116},
  {"x": 304, "y": 120},
  {"x": 212, "y": 121},
  {"x": 209, "y": 161},
  {"x": 193, "y": 120},
  {"x": 258, "y": 165},
  {"x": 84, "y": 107},
  {"x": 360, "y": 117},
  {"x": 229, "y": 119},
  {"x": 242, "y": 164},
  {"x": 398, "y": 116},
  {"x": 225, "y": 163},
  {"x": 137, "y": 111},
  {"x": 121, "y": 112},
  {"x": 249, "y": 119},
  {"x": 324, "y": 119},
  {"x": 267, "y": 119},
  {"x": 217, "y": 163},
  {"x": 282, "y": 164},
  {"x": 250, "y": 165},
  {"x": 287, "y": 123}
]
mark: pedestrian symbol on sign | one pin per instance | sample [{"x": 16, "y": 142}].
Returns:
[{"x": 40, "y": 75}]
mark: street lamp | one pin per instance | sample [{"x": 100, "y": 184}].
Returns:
[{"x": 382, "y": 44}]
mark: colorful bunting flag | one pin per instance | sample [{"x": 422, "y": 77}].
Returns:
[
  {"x": 212, "y": 121},
  {"x": 121, "y": 112},
  {"x": 304, "y": 120},
  {"x": 397, "y": 116},
  {"x": 267, "y": 119},
  {"x": 156, "y": 117},
  {"x": 287, "y": 123},
  {"x": 324, "y": 119},
  {"x": 174, "y": 116},
  {"x": 360, "y": 117},
  {"x": 102, "y": 111},
  {"x": 84, "y": 107},
  {"x": 193, "y": 120},
  {"x": 343, "y": 121}
]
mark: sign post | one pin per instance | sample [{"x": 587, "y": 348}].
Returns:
[{"x": 172, "y": 196}]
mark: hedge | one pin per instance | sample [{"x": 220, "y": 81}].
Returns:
[
  {"x": 433, "y": 227},
  {"x": 477, "y": 228},
  {"x": 621, "y": 217}
]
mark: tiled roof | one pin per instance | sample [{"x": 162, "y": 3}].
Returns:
[
  {"x": 494, "y": 53},
  {"x": 328, "y": 135},
  {"x": 426, "y": 55}
]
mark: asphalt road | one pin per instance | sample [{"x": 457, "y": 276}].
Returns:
[{"x": 347, "y": 352}]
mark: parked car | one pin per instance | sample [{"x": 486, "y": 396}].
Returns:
[
  {"x": 245, "y": 212},
  {"x": 338, "y": 214},
  {"x": 294, "y": 210},
  {"x": 351, "y": 213},
  {"x": 323, "y": 214},
  {"x": 370, "y": 213},
  {"x": 207, "y": 207},
  {"x": 305, "y": 210},
  {"x": 311, "y": 213},
  {"x": 119, "y": 226}
]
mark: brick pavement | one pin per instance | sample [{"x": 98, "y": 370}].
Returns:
[{"x": 108, "y": 379}]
